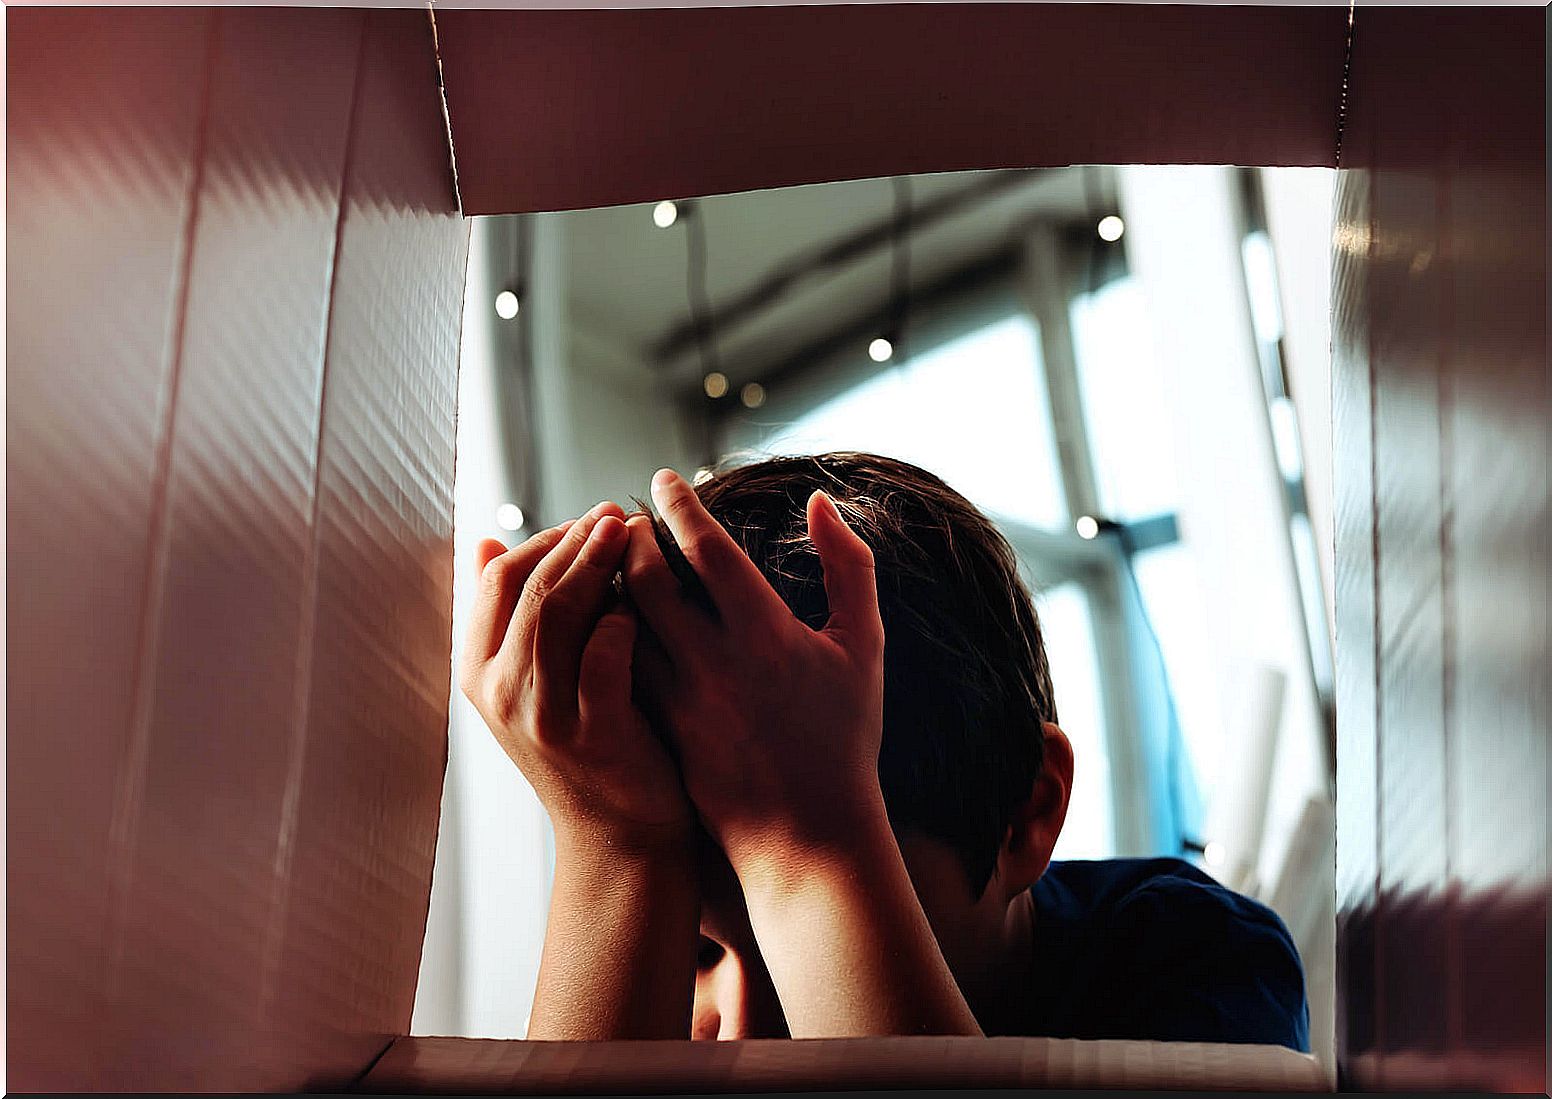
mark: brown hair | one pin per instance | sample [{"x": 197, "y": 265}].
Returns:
[{"x": 967, "y": 688}]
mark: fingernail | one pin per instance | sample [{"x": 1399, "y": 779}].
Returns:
[
  {"x": 664, "y": 478},
  {"x": 828, "y": 502}
]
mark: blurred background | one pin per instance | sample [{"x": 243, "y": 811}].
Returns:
[{"x": 1128, "y": 368}]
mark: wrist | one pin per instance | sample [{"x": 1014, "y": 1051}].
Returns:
[
  {"x": 592, "y": 842},
  {"x": 846, "y": 846}
]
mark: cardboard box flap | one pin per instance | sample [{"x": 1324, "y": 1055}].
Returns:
[
  {"x": 474, "y": 1066},
  {"x": 627, "y": 106}
]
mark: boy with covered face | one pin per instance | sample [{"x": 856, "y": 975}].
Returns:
[{"x": 806, "y": 779}]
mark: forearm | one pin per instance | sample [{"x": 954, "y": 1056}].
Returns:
[
  {"x": 847, "y": 944},
  {"x": 619, "y": 948}
]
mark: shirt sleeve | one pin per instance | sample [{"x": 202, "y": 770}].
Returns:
[{"x": 1208, "y": 965}]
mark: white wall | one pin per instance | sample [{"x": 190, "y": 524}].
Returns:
[{"x": 604, "y": 425}]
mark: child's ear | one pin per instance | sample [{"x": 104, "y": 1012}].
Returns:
[{"x": 1037, "y": 822}]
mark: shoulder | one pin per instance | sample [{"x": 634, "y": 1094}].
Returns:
[
  {"x": 1185, "y": 899},
  {"x": 1166, "y": 893},
  {"x": 1156, "y": 887},
  {"x": 1104, "y": 882},
  {"x": 1204, "y": 962}
]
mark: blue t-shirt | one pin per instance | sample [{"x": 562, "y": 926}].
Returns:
[{"x": 1155, "y": 949}]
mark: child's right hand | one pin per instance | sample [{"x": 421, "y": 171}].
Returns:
[
  {"x": 777, "y": 725},
  {"x": 548, "y": 666}
]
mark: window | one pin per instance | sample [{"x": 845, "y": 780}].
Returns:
[
  {"x": 1169, "y": 588},
  {"x": 1130, "y": 422},
  {"x": 1128, "y": 411},
  {"x": 972, "y": 410},
  {"x": 1069, "y": 644}
]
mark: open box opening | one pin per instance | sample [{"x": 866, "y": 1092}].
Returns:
[
  {"x": 1048, "y": 374},
  {"x": 236, "y": 257}
]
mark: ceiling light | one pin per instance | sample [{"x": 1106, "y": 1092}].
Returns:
[
  {"x": 880, "y": 350},
  {"x": 510, "y": 517},
  {"x": 507, "y": 305},
  {"x": 1111, "y": 228},
  {"x": 665, "y": 214},
  {"x": 753, "y": 395},
  {"x": 1087, "y": 526},
  {"x": 715, "y": 384}
]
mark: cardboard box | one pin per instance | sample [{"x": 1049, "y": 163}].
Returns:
[{"x": 236, "y": 258}]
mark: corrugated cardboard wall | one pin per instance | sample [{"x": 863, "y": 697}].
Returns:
[
  {"x": 1441, "y": 422},
  {"x": 235, "y": 271}
]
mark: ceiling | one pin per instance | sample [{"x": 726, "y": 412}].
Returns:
[{"x": 627, "y": 279}]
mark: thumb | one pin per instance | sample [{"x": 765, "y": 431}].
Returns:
[{"x": 850, "y": 585}]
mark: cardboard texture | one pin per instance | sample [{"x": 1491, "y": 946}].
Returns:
[
  {"x": 237, "y": 273},
  {"x": 102, "y": 233},
  {"x": 1440, "y": 420},
  {"x": 469, "y": 1066},
  {"x": 692, "y": 102},
  {"x": 236, "y": 268}
]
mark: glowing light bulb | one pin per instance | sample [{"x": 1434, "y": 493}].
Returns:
[
  {"x": 880, "y": 350},
  {"x": 1087, "y": 527},
  {"x": 715, "y": 384},
  {"x": 507, "y": 305},
  {"x": 753, "y": 395},
  {"x": 1111, "y": 227},
  {"x": 665, "y": 214},
  {"x": 509, "y": 517},
  {"x": 1213, "y": 853}
]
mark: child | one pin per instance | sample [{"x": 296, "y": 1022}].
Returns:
[{"x": 837, "y": 769}]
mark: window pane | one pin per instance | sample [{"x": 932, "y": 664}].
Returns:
[
  {"x": 972, "y": 410},
  {"x": 1170, "y": 590},
  {"x": 1069, "y": 644},
  {"x": 1124, "y": 402}
]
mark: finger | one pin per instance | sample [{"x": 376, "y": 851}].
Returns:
[
  {"x": 544, "y": 576},
  {"x": 655, "y": 592},
  {"x": 653, "y": 670},
  {"x": 487, "y": 551},
  {"x": 736, "y": 586},
  {"x": 570, "y": 613},
  {"x": 654, "y": 686},
  {"x": 604, "y": 674},
  {"x": 851, "y": 587},
  {"x": 502, "y": 576}
]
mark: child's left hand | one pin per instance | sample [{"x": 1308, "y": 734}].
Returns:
[
  {"x": 548, "y": 665},
  {"x": 778, "y": 725}
]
